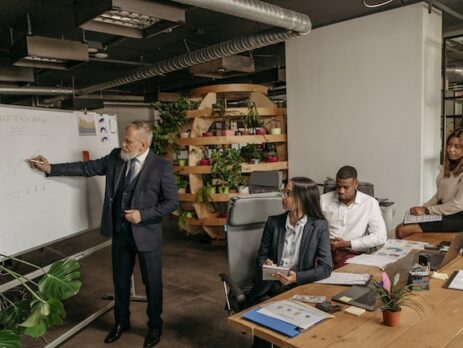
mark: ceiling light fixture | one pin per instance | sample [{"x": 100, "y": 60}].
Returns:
[
  {"x": 130, "y": 18},
  {"x": 50, "y": 53}
]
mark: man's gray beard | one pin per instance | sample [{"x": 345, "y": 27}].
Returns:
[{"x": 127, "y": 156}]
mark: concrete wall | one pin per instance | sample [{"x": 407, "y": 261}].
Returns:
[{"x": 366, "y": 92}]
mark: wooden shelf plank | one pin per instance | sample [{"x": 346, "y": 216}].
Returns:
[
  {"x": 238, "y": 112},
  {"x": 245, "y": 168},
  {"x": 212, "y": 221},
  {"x": 243, "y": 139},
  {"x": 216, "y": 197},
  {"x": 232, "y": 88}
]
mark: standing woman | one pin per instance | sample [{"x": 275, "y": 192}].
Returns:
[
  {"x": 448, "y": 200},
  {"x": 297, "y": 239}
]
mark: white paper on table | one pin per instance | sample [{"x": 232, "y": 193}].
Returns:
[
  {"x": 300, "y": 315},
  {"x": 457, "y": 281},
  {"x": 371, "y": 260},
  {"x": 341, "y": 278}
]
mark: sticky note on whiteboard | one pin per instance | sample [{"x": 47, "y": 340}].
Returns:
[{"x": 112, "y": 125}]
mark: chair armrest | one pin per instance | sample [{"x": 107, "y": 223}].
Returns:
[{"x": 235, "y": 291}]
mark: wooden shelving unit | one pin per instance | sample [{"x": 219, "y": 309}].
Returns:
[{"x": 200, "y": 121}]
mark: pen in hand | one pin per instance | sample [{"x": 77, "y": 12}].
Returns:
[{"x": 35, "y": 161}]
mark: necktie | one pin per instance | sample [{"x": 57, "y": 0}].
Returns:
[{"x": 131, "y": 174}]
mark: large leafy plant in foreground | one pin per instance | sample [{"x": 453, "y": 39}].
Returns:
[{"x": 43, "y": 307}]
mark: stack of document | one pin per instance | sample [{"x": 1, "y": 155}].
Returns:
[
  {"x": 393, "y": 250},
  {"x": 340, "y": 278},
  {"x": 287, "y": 317}
]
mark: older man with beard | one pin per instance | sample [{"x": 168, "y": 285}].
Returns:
[{"x": 140, "y": 190}]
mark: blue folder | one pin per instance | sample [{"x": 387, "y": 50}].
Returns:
[{"x": 277, "y": 325}]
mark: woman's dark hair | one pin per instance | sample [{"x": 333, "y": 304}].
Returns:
[
  {"x": 450, "y": 166},
  {"x": 306, "y": 193}
]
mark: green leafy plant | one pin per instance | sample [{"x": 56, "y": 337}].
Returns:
[
  {"x": 252, "y": 118},
  {"x": 204, "y": 195},
  {"x": 394, "y": 297},
  {"x": 32, "y": 315},
  {"x": 172, "y": 117},
  {"x": 226, "y": 166},
  {"x": 181, "y": 181},
  {"x": 250, "y": 152},
  {"x": 183, "y": 218}
]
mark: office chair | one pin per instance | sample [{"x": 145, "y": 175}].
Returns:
[
  {"x": 387, "y": 207},
  {"x": 247, "y": 216},
  {"x": 260, "y": 181}
]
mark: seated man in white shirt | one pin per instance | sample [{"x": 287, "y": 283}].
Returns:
[{"x": 354, "y": 218}]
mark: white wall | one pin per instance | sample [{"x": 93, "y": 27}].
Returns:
[
  {"x": 366, "y": 92},
  {"x": 127, "y": 114}
]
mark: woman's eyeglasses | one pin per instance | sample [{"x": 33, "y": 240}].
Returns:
[{"x": 286, "y": 193}]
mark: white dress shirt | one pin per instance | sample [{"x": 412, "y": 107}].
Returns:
[
  {"x": 140, "y": 161},
  {"x": 361, "y": 222},
  {"x": 293, "y": 237}
]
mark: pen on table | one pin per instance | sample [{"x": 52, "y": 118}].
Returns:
[{"x": 35, "y": 161}]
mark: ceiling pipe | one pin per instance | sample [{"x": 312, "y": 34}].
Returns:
[
  {"x": 204, "y": 55},
  {"x": 257, "y": 11},
  {"x": 36, "y": 91},
  {"x": 295, "y": 24}
]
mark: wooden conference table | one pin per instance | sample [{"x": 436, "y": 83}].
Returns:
[{"x": 441, "y": 324}]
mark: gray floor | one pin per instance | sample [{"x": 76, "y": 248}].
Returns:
[{"x": 193, "y": 295}]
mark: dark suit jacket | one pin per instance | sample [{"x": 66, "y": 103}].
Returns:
[
  {"x": 314, "y": 253},
  {"x": 155, "y": 193}
]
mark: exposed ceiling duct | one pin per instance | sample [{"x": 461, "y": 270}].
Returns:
[
  {"x": 257, "y": 11},
  {"x": 36, "y": 91},
  {"x": 220, "y": 50},
  {"x": 129, "y": 18},
  {"x": 250, "y": 9},
  {"x": 224, "y": 67}
]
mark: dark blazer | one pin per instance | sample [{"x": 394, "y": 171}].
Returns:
[
  {"x": 314, "y": 253},
  {"x": 155, "y": 194}
]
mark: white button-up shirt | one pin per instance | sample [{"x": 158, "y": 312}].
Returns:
[
  {"x": 138, "y": 163},
  {"x": 293, "y": 237},
  {"x": 361, "y": 222}
]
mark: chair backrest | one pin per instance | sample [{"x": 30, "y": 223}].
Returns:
[
  {"x": 260, "y": 181},
  {"x": 365, "y": 187},
  {"x": 247, "y": 216}
]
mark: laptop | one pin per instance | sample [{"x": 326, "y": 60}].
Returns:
[
  {"x": 366, "y": 296},
  {"x": 439, "y": 259}
]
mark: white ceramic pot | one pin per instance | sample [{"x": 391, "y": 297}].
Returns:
[{"x": 275, "y": 131}]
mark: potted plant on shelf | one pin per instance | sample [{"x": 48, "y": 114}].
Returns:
[
  {"x": 182, "y": 183},
  {"x": 183, "y": 216},
  {"x": 204, "y": 195},
  {"x": 271, "y": 154},
  {"x": 172, "y": 117},
  {"x": 39, "y": 306},
  {"x": 251, "y": 121},
  {"x": 252, "y": 153},
  {"x": 393, "y": 298},
  {"x": 226, "y": 165}
]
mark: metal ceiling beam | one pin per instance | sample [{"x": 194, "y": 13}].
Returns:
[{"x": 36, "y": 91}]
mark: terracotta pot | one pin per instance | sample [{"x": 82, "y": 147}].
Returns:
[
  {"x": 204, "y": 162},
  {"x": 261, "y": 131},
  {"x": 228, "y": 133},
  {"x": 391, "y": 318},
  {"x": 271, "y": 159},
  {"x": 244, "y": 132}
]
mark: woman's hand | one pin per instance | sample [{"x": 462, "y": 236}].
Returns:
[
  {"x": 418, "y": 210},
  {"x": 268, "y": 262},
  {"x": 286, "y": 280}
]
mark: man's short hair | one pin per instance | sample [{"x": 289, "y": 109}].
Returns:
[
  {"x": 346, "y": 172},
  {"x": 143, "y": 128}
]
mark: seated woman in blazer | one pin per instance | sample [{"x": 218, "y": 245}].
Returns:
[
  {"x": 448, "y": 200},
  {"x": 297, "y": 239}
]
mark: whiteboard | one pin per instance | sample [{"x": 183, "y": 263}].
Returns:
[{"x": 36, "y": 210}]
